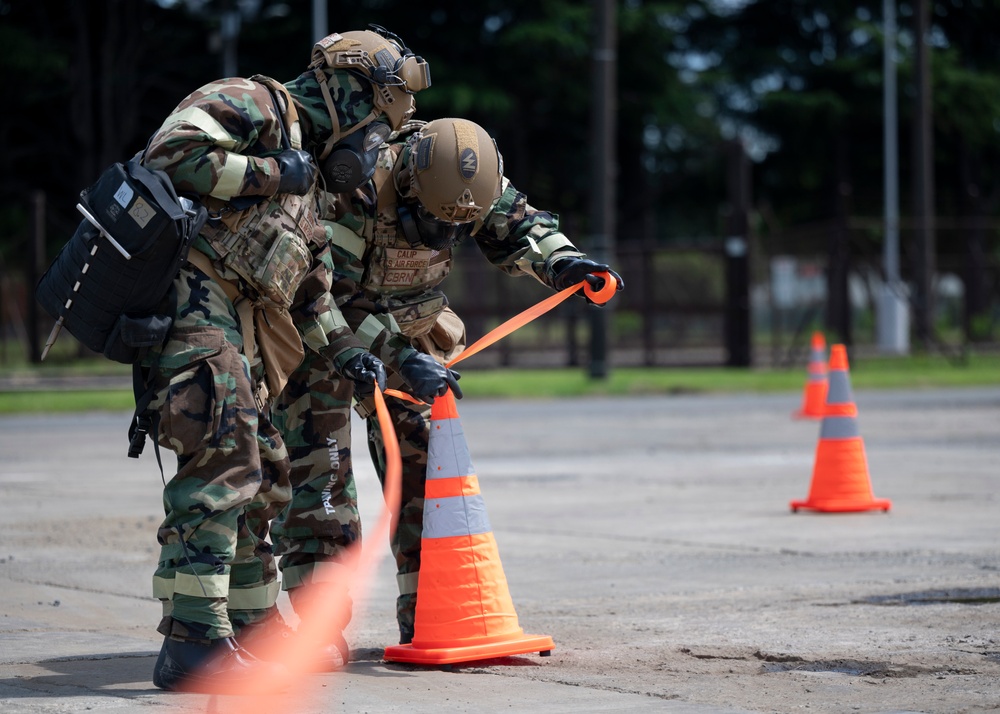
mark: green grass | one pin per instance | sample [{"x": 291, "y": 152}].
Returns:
[
  {"x": 877, "y": 373},
  {"x": 915, "y": 372},
  {"x": 82, "y": 400}
]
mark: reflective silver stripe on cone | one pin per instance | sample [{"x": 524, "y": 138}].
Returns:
[
  {"x": 447, "y": 453},
  {"x": 455, "y": 516},
  {"x": 839, "y": 427}
]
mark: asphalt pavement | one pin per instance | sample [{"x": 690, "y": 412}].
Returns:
[{"x": 651, "y": 537}]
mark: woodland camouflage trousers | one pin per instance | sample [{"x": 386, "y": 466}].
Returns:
[
  {"x": 313, "y": 414},
  {"x": 216, "y": 569}
]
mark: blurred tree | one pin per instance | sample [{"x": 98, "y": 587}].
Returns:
[
  {"x": 801, "y": 82},
  {"x": 91, "y": 81},
  {"x": 99, "y": 77},
  {"x": 798, "y": 81},
  {"x": 966, "y": 71},
  {"x": 671, "y": 154}
]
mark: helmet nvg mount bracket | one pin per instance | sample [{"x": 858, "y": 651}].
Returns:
[{"x": 380, "y": 58}]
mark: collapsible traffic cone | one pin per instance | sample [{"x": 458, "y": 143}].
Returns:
[
  {"x": 840, "y": 479},
  {"x": 814, "y": 396},
  {"x": 464, "y": 609}
]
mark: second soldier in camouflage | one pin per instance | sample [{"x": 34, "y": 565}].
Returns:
[{"x": 435, "y": 184}]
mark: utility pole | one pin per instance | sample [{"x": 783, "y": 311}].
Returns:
[
  {"x": 893, "y": 313},
  {"x": 36, "y": 266},
  {"x": 604, "y": 131},
  {"x": 319, "y": 20},
  {"x": 229, "y": 35},
  {"x": 923, "y": 177},
  {"x": 736, "y": 317}
]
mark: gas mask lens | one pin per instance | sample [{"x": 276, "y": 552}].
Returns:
[{"x": 438, "y": 234}]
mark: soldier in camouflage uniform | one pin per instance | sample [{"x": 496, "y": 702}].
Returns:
[
  {"x": 260, "y": 267},
  {"x": 435, "y": 184}
]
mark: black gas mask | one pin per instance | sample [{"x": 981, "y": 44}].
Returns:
[
  {"x": 351, "y": 163},
  {"x": 421, "y": 227}
]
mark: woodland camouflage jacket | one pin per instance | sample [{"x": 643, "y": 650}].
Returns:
[{"x": 219, "y": 145}]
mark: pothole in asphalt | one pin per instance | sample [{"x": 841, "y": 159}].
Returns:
[
  {"x": 851, "y": 667},
  {"x": 776, "y": 663},
  {"x": 961, "y": 596}
]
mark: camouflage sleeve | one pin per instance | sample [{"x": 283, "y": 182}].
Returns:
[
  {"x": 520, "y": 239},
  {"x": 375, "y": 328},
  {"x": 214, "y": 143},
  {"x": 317, "y": 316}
]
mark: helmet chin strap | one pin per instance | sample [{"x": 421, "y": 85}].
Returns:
[
  {"x": 403, "y": 175},
  {"x": 409, "y": 226},
  {"x": 336, "y": 135}
]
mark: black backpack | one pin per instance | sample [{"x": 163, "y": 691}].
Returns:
[{"x": 110, "y": 285}]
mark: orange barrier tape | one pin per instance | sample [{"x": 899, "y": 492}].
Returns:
[
  {"x": 324, "y": 603},
  {"x": 398, "y": 394},
  {"x": 392, "y": 489},
  {"x": 600, "y": 297},
  {"x": 606, "y": 292},
  {"x": 521, "y": 319}
]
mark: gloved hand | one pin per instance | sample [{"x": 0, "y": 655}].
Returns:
[
  {"x": 427, "y": 378},
  {"x": 365, "y": 369},
  {"x": 567, "y": 272},
  {"x": 296, "y": 170}
]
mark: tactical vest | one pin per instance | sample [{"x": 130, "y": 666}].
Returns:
[
  {"x": 269, "y": 244},
  {"x": 398, "y": 275}
]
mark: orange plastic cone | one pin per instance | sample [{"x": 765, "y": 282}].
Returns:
[
  {"x": 464, "y": 609},
  {"x": 840, "y": 479},
  {"x": 814, "y": 394}
]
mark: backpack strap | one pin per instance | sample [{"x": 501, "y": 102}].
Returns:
[
  {"x": 146, "y": 421},
  {"x": 386, "y": 199},
  {"x": 291, "y": 135},
  {"x": 244, "y": 309}
]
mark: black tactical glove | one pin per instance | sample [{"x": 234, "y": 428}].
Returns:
[
  {"x": 567, "y": 272},
  {"x": 297, "y": 171},
  {"x": 427, "y": 378},
  {"x": 365, "y": 369}
]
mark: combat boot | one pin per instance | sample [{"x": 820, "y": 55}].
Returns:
[
  {"x": 263, "y": 639},
  {"x": 406, "y": 608},
  {"x": 218, "y": 667}
]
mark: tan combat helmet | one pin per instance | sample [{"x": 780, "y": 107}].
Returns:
[
  {"x": 455, "y": 170},
  {"x": 381, "y": 58}
]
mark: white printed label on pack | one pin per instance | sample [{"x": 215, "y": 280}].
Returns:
[
  {"x": 141, "y": 212},
  {"x": 124, "y": 194}
]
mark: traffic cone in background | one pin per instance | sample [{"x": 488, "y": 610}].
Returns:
[
  {"x": 840, "y": 480},
  {"x": 814, "y": 396},
  {"x": 464, "y": 609}
]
